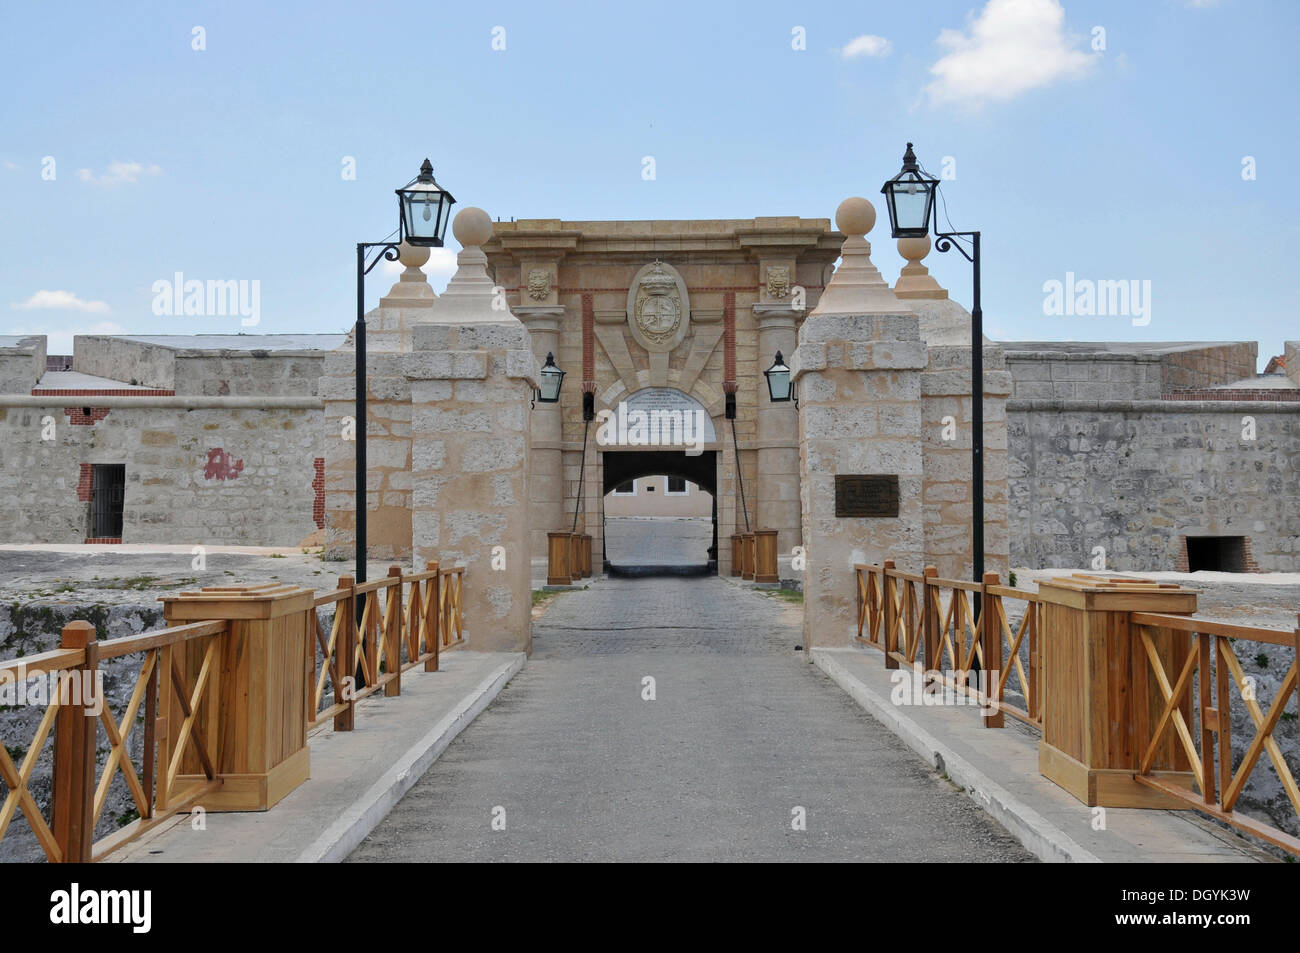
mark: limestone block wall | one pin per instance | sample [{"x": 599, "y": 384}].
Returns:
[
  {"x": 226, "y": 475},
  {"x": 22, "y": 362},
  {"x": 388, "y": 455},
  {"x": 946, "y": 460},
  {"x": 1135, "y": 477},
  {"x": 1064, "y": 375},
  {"x": 212, "y": 372},
  {"x": 1293, "y": 361}
]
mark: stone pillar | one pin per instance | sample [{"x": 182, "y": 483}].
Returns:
[
  {"x": 777, "y": 489},
  {"x": 546, "y": 429},
  {"x": 946, "y": 426},
  {"x": 857, "y": 367},
  {"x": 472, "y": 375}
]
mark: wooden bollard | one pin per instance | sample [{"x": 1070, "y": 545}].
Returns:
[
  {"x": 747, "y": 559},
  {"x": 737, "y": 554},
  {"x": 575, "y": 556},
  {"x": 75, "y": 732}
]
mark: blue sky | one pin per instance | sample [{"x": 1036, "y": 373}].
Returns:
[{"x": 225, "y": 163}]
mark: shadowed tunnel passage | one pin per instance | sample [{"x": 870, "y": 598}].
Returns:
[{"x": 701, "y": 469}]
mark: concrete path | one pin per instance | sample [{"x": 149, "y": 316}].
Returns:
[{"x": 742, "y": 732}]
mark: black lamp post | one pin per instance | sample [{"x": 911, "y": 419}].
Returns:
[
  {"x": 910, "y": 198},
  {"x": 424, "y": 208}
]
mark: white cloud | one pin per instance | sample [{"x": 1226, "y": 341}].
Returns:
[
  {"x": 119, "y": 173},
  {"x": 1010, "y": 47},
  {"x": 60, "y": 342},
  {"x": 866, "y": 45},
  {"x": 440, "y": 267},
  {"x": 60, "y": 301}
]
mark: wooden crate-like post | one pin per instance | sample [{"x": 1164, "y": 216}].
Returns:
[
  {"x": 930, "y": 618},
  {"x": 344, "y": 672},
  {"x": 393, "y": 635},
  {"x": 558, "y": 548},
  {"x": 252, "y": 721},
  {"x": 991, "y": 640},
  {"x": 586, "y": 555},
  {"x": 888, "y": 587},
  {"x": 765, "y": 556},
  {"x": 1100, "y": 701},
  {"x": 75, "y": 731},
  {"x": 747, "y": 555}
]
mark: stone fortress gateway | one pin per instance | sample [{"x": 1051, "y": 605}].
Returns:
[{"x": 1164, "y": 456}]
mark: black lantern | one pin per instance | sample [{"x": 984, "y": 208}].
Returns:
[
  {"x": 778, "y": 380},
  {"x": 551, "y": 378},
  {"x": 425, "y": 209},
  {"x": 910, "y": 198}
]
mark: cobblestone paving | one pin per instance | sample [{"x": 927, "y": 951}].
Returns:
[{"x": 742, "y": 731}]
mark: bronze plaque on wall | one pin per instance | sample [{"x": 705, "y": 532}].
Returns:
[{"x": 873, "y": 494}]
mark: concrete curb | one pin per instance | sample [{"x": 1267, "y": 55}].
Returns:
[
  {"x": 363, "y": 816},
  {"x": 1040, "y": 836}
]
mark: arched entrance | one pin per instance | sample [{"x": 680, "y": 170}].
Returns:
[{"x": 623, "y": 466}]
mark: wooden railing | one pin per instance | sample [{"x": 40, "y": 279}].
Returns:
[
  {"x": 1211, "y": 667},
  {"x": 406, "y": 620},
  {"x": 953, "y": 631},
  {"x": 79, "y": 794}
]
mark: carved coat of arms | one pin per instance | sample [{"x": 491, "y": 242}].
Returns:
[
  {"x": 658, "y": 310},
  {"x": 539, "y": 284},
  {"x": 778, "y": 281}
]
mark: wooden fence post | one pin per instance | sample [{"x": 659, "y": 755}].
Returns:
[
  {"x": 393, "y": 635},
  {"x": 432, "y": 616},
  {"x": 930, "y": 616},
  {"x": 75, "y": 732},
  {"x": 891, "y": 614},
  {"x": 345, "y": 653},
  {"x": 991, "y": 641}
]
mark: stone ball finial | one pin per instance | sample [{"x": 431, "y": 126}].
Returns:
[
  {"x": 914, "y": 249},
  {"x": 412, "y": 256},
  {"x": 855, "y": 216},
  {"x": 472, "y": 226}
]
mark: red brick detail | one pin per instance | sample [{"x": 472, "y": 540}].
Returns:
[
  {"x": 1248, "y": 556},
  {"x": 1182, "y": 565},
  {"x": 77, "y": 416},
  {"x": 318, "y": 484},
  {"x": 1282, "y": 394},
  {"x": 729, "y": 336},
  {"x": 221, "y": 465},
  {"x": 588, "y": 337},
  {"x": 104, "y": 540},
  {"x": 86, "y": 482},
  {"x": 107, "y": 392}
]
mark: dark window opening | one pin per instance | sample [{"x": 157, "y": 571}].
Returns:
[
  {"x": 676, "y": 484},
  {"x": 1216, "y": 553},
  {"x": 627, "y": 488},
  {"x": 108, "y": 492}
]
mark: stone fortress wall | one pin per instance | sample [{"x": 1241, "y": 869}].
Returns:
[{"x": 1130, "y": 448}]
